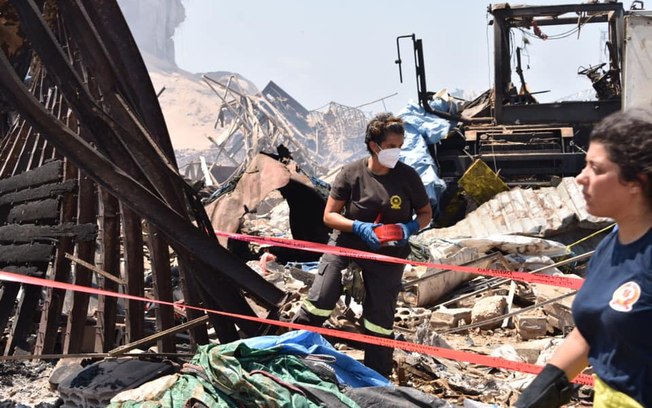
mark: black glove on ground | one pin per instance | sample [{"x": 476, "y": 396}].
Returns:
[{"x": 550, "y": 389}]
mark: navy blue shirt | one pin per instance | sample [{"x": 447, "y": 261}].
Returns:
[{"x": 613, "y": 312}]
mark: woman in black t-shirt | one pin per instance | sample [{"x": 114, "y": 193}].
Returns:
[{"x": 377, "y": 190}]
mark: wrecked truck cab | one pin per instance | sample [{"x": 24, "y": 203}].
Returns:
[{"x": 529, "y": 142}]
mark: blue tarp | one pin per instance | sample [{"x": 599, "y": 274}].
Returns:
[
  {"x": 348, "y": 370},
  {"x": 423, "y": 129}
]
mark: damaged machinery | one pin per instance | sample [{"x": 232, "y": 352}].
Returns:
[{"x": 506, "y": 127}]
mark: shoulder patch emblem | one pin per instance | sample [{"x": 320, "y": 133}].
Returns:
[
  {"x": 395, "y": 202},
  {"x": 625, "y": 297}
]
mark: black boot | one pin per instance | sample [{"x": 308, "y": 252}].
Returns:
[{"x": 379, "y": 358}]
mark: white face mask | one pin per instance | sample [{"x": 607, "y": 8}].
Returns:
[{"x": 389, "y": 157}]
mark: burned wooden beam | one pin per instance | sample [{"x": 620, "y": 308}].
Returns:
[
  {"x": 86, "y": 213},
  {"x": 45, "y": 211},
  {"x": 53, "y": 299},
  {"x": 38, "y": 193},
  {"x": 132, "y": 240},
  {"x": 29, "y": 232},
  {"x": 162, "y": 282},
  {"x": 107, "y": 305},
  {"x": 48, "y": 173},
  {"x": 25, "y": 253},
  {"x": 23, "y": 321}
]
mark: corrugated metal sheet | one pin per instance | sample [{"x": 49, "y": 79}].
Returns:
[{"x": 542, "y": 212}]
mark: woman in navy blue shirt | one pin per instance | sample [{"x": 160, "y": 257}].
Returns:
[{"x": 613, "y": 309}]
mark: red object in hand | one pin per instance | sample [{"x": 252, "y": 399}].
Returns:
[{"x": 389, "y": 232}]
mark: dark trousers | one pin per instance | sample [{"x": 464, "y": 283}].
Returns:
[{"x": 382, "y": 283}]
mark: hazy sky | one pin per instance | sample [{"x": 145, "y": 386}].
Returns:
[{"x": 344, "y": 50}]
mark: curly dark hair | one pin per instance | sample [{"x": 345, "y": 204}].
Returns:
[
  {"x": 380, "y": 125},
  {"x": 627, "y": 138}
]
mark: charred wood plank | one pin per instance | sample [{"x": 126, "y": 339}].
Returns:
[
  {"x": 45, "y": 211},
  {"x": 53, "y": 298},
  {"x": 132, "y": 241},
  {"x": 29, "y": 232},
  {"x": 7, "y": 301},
  {"x": 108, "y": 21},
  {"x": 199, "y": 335},
  {"x": 48, "y": 173},
  {"x": 86, "y": 213},
  {"x": 26, "y": 253},
  {"x": 38, "y": 193},
  {"x": 26, "y": 310},
  {"x": 162, "y": 282},
  {"x": 107, "y": 306},
  {"x": 23, "y": 270}
]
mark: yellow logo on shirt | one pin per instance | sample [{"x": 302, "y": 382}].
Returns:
[
  {"x": 395, "y": 202},
  {"x": 625, "y": 296}
]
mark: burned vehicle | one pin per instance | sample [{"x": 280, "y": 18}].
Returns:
[{"x": 527, "y": 142}]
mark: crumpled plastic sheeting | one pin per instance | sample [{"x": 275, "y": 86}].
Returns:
[
  {"x": 423, "y": 129},
  {"x": 348, "y": 370}
]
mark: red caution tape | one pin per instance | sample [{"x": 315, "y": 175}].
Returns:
[
  {"x": 403, "y": 345},
  {"x": 559, "y": 281}
]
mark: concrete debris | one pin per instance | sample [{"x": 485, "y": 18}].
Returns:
[
  {"x": 543, "y": 212},
  {"x": 453, "y": 317},
  {"x": 488, "y": 308},
  {"x": 531, "y": 326}
]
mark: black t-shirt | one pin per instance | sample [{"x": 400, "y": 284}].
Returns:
[
  {"x": 613, "y": 311},
  {"x": 389, "y": 198}
]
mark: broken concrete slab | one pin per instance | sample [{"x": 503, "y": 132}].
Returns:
[
  {"x": 542, "y": 212},
  {"x": 487, "y": 308},
  {"x": 531, "y": 326},
  {"x": 445, "y": 317}
]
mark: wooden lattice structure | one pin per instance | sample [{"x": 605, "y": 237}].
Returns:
[{"x": 78, "y": 105}]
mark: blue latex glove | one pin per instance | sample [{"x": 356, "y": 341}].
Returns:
[
  {"x": 409, "y": 229},
  {"x": 365, "y": 230}
]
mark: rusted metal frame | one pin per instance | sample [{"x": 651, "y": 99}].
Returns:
[
  {"x": 110, "y": 262},
  {"x": 502, "y": 70},
  {"x": 86, "y": 213},
  {"x": 162, "y": 282},
  {"x": 109, "y": 22},
  {"x": 132, "y": 243},
  {"x": 68, "y": 142},
  {"x": 557, "y": 10},
  {"x": 23, "y": 319},
  {"x": 53, "y": 300}
]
